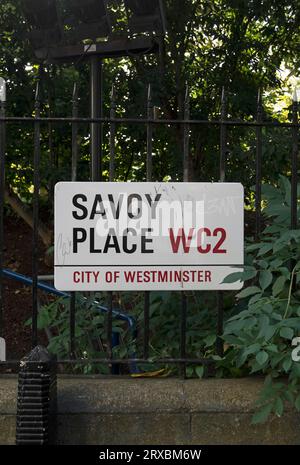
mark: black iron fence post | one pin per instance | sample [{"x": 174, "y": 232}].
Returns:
[
  {"x": 223, "y": 142},
  {"x": 258, "y": 174},
  {"x": 74, "y": 132},
  {"x": 74, "y": 178},
  {"x": 96, "y": 112},
  {"x": 295, "y": 154},
  {"x": 2, "y": 195},
  {"x": 112, "y": 135},
  {"x": 51, "y": 144},
  {"x": 223, "y": 136},
  {"x": 186, "y": 147},
  {"x": 112, "y": 153},
  {"x": 150, "y": 116},
  {"x": 36, "y": 184}
]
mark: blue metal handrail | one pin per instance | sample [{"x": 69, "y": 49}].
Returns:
[{"x": 52, "y": 290}]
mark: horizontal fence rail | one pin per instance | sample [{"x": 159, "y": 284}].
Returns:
[
  {"x": 151, "y": 122},
  {"x": 144, "y": 121}
]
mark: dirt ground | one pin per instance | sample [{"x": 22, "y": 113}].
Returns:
[{"x": 17, "y": 297}]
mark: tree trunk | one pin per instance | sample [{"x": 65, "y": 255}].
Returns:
[{"x": 23, "y": 212}]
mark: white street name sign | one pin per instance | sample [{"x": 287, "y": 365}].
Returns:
[{"x": 148, "y": 236}]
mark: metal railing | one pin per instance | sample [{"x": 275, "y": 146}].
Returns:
[{"x": 150, "y": 122}]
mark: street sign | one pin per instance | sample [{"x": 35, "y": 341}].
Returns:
[{"x": 148, "y": 236}]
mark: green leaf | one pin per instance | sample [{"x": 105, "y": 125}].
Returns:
[
  {"x": 262, "y": 415},
  {"x": 265, "y": 279},
  {"x": 252, "y": 349},
  {"x": 200, "y": 371},
  {"x": 44, "y": 319},
  {"x": 286, "y": 333},
  {"x": 232, "y": 277},
  {"x": 250, "y": 322},
  {"x": 276, "y": 263},
  {"x": 278, "y": 408},
  {"x": 269, "y": 333},
  {"x": 262, "y": 357},
  {"x": 268, "y": 308},
  {"x": 210, "y": 340},
  {"x": 297, "y": 403},
  {"x": 272, "y": 348},
  {"x": 287, "y": 363},
  {"x": 233, "y": 340},
  {"x": 263, "y": 264},
  {"x": 265, "y": 249},
  {"x": 244, "y": 275},
  {"x": 255, "y": 298},
  {"x": 248, "y": 291},
  {"x": 278, "y": 286},
  {"x": 264, "y": 323},
  {"x": 289, "y": 396}
]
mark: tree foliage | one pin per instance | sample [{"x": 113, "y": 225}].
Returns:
[{"x": 233, "y": 43}]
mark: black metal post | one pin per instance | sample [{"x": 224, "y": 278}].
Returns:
[
  {"x": 52, "y": 157},
  {"x": 74, "y": 132},
  {"x": 36, "y": 183},
  {"x": 96, "y": 112},
  {"x": 220, "y": 300},
  {"x": 2, "y": 193},
  {"x": 150, "y": 117},
  {"x": 74, "y": 178},
  {"x": 223, "y": 131},
  {"x": 258, "y": 166},
  {"x": 112, "y": 135},
  {"x": 186, "y": 140},
  {"x": 295, "y": 154},
  {"x": 114, "y": 369}
]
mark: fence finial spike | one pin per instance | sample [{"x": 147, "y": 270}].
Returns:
[
  {"x": 187, "y": 91},
  {"x": 2, "y": 90},
  {"x": 37, "y": 91},
  {"x": 259, "y": 96},
  {"x": 296, "y": 93},
  {"x": 223, "y": 95},
  {"x": 149, "y": 92},
  {"x": 113, "y": 93},
  {"x": 75, "y": 91}
]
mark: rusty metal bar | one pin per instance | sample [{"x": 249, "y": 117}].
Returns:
[{"x": 35, "y": 237}]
